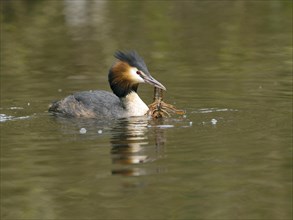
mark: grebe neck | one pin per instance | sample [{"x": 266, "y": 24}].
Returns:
[{"x": 134, "y": 105}]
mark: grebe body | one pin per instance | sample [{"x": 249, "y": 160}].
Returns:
[{"x": 124, "y": 77}]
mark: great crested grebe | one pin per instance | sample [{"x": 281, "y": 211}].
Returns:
[{"x": 124, "y": 77}]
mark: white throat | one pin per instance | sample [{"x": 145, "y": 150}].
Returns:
[{"x": 134, "y": 105}]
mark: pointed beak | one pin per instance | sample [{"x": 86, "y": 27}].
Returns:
[{"x": 150, "y": 80}]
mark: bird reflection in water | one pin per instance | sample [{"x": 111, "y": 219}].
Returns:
[
  {"x": 132, "y": 147},
  {"x": 135, "y": 142}
]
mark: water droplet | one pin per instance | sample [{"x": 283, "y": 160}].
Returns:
[
  {"x": 214, "y": 121},
  {"x": 82, "y": 131}
]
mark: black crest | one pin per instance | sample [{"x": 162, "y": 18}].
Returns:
[{"x": 133, "y": 59}]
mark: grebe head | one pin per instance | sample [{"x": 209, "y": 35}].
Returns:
[{"x": 130, "y": 70}]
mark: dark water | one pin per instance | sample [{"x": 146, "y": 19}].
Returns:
[{"x": 227, "y": 63}]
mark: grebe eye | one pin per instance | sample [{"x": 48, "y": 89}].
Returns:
[{"x": 138, "y": 72}]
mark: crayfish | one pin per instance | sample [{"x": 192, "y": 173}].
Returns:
[{"x": 160, "y": 109}]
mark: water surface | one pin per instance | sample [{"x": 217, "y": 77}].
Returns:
[{"x": 228, "y": 64}]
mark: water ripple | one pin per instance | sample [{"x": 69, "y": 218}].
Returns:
[
  {"x": 4, "y": 118},
  {"x": 210, "y": 110}
]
